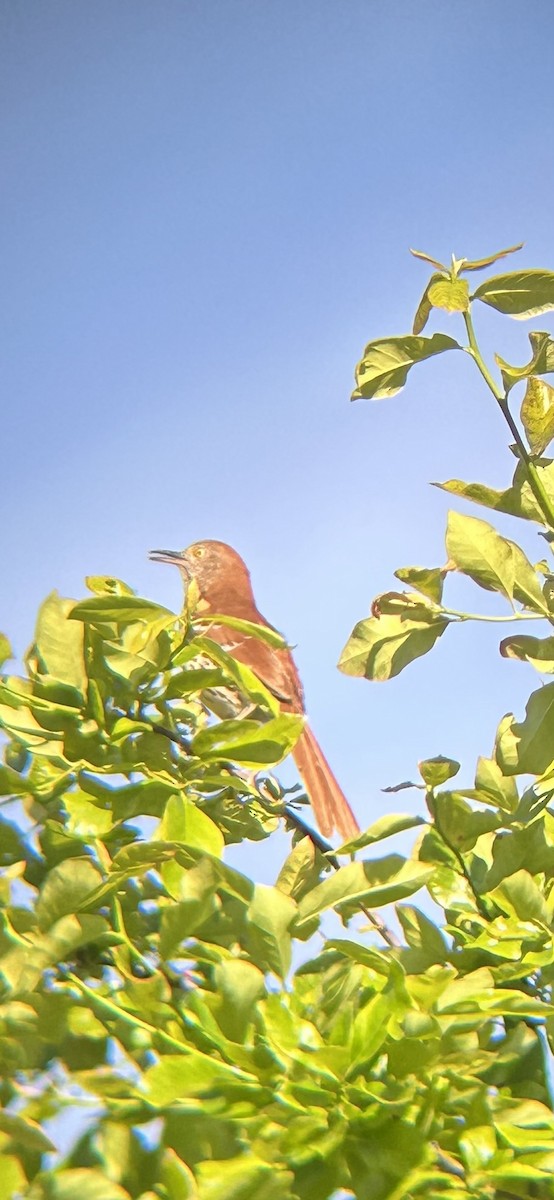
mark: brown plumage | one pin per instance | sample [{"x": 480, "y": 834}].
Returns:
[{"x": 224, "y": 587}]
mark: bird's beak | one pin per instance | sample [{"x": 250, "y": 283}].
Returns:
[{"x": 175, "y": 557}]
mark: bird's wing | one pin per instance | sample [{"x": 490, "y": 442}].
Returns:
[{"x": 275, "y": 668}]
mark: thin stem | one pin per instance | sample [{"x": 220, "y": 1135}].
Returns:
[
  {"x": 535, "y": 481},
  {"x": 182, "y": 742},
  {"x": 516, "y": 616}
]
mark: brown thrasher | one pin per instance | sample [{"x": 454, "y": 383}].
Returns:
[{"x": 224, "y": 587}]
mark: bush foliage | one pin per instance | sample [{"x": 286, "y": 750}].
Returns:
[{"x": 150, "y": 1016}]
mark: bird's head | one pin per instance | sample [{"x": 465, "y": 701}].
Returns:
[{"x": 218, "y": 571}]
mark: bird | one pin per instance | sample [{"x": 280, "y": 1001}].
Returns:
[{"x": 224, "y": 587}]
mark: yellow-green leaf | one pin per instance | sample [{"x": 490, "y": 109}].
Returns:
[{"x": 537, "y": 414}]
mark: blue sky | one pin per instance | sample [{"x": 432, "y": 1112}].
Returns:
[{"x": 207, "y": 214}]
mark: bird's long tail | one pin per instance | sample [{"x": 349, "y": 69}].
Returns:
[{"x": 331, "y": 808}]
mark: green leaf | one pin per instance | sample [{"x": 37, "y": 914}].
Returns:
[
  {"x": 239, "y": 986},
  {"x": 118, "y": 610},
  {"x": 518, "y": 294},
  {"x": 421, "y": 934},
  {"x": 183, "y": 821},
  {"x": 537, "y": 414},
  {"x": 58, "y": 644},
  {"x": 5, "y": 649},
  {"x": 476, "y": 993},
  {"x": 85, "y": 819},
  {"x": 369, "y": 1030},
  {"x": 192, "y": 1073},
  {"x": 428, "y": 580},
  {"x": 527, "y": 747},
  {"x": 476, "y": 549},
  {"x": 517, "y": 500},
  {"x": 249, "y": 743},
  {"x": 197, "y": 903},
  {"x": 106, "y": 585},
  {"x": 498, "y": 789},
  {"x": 380, "y": 647},
  {"x": 12, "y": 783},
  {"x": 13, "y": 1180},
  {"x": 177, "y": 1179},
  {"x": 384, "y": 367},
  {"x": 542, "y": 361},
  {"x": 244, "y": 679},
  {"x": 458, "y": 823},
  {"x": 450, "y": 294},
  {"x": 300, "y": 871},
  {"x": 425, "y": 308},
  {"x": 264, "y": 633},
  {"x": 270, "y": 916},
  {"x": 519, "y": 896},
  {"x": 65, "y": 889},
  {"x": 25, "y": 1132},
  {"x": 436, "y": 771},
  {"x": 537, "y": 651},
  {"x": 386, "y": 826},
  {"x": 376, "y": 883},
  {"x": 478, "y": 264},
  {"x": 87, "y": 1183},
  {"x": 427, "y": 258},
  {"x": 246, "y": 1177}
]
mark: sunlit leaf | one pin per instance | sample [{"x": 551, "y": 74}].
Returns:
[
  {"x": 86, "y": 1183},
  {"x": 459, "y": 824},
  {"x": 183, "y": 821},
  {"x": 118, "y": 610},
  {"x": 499, "y": 789},
  {"x": 376, "y": 883},
  {"x": 244, "y": 1178},
  {"x": 196, "y": 903},
  {"x": 270, "y": 916},
  {"x": 384, "y": 827},
  {"x": 5, "y": 649},
  {"x": 436, "y": 771},
  {"x": 189, "y": 1074},
  {"x": 519, "y": 294},
  {"x": 239, "y": 985},
  {"x": 248, "y": 743},
  {"x": 384, "y": 368},
  {"x": 537, "y": 414},
  {"x": 434, "y": 262},
  {"x": 380, "y": 647},
  {"x": 527, "y": 747},
  {"x": 517, "y": 500},
  {"x": 25, "y": 1132},
  {"x": 245, "y": 680},
  {"x": 476, "y": 549},
  {"x": 425, "y": 308},
  {"x": 59, "y": 644},
  {"x": 65, "y": 889},
  {"x": 479, "y": 263},
  {"x": 106, "y": 585},
  {"x": 537, "y": 651},
  {"x": 428, "y": 580},
  {"x": 450, "y": 294},
  {"x": 264, "y": 633},
  {"x": 177, "y": 1178},
  {"x": 542, "y": 361}
]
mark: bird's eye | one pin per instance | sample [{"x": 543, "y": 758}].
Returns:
[{"x": 199, "y": 551}]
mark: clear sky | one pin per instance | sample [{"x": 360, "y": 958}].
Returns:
[{"x": 207, "y": 209}]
